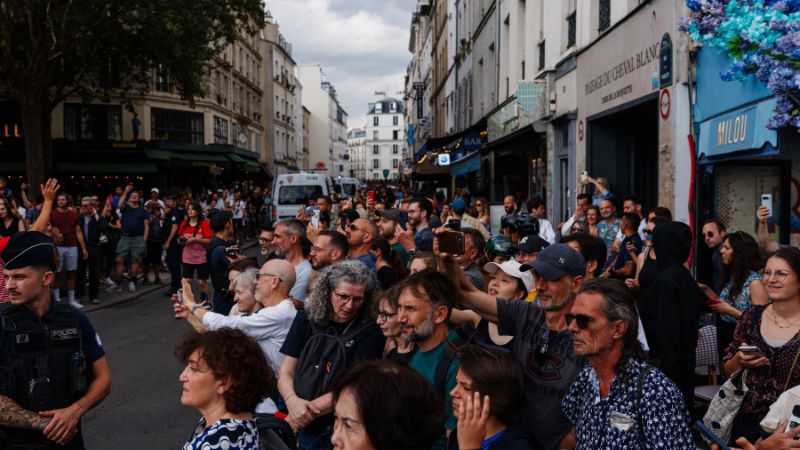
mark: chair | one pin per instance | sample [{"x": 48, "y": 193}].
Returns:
[{"x": 707, "y": 362}]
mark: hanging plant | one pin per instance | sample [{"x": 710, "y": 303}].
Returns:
[{"x": 762, "y": 40}]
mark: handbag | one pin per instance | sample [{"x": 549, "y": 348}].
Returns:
[{"x": 725, "y": 406}]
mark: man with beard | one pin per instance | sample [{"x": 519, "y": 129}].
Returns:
[
  {"x": 267, "y": 251},
  {"x": 542, "y": 344},
  {"x": 329, "y": 248},
  {"x": 420, "y": 210},
  {"x": 289, "y": 236},
  {"x": 360, "y": 235},
  {"x": 389, "y": 219},
  {"x": 424, "y": 305},
  {"x": 608, "y": 228}
]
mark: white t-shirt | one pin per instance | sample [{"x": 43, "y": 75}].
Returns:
[
  {"x": 269, "y": 327},
  {"x": 238, "y": 209}
]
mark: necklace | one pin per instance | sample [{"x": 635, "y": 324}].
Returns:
[{"x": 775, "y": 319}]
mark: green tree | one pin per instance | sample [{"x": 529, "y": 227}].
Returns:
[{"x": 52, "y": 49}]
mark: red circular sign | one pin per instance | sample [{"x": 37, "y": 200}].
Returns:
[
  {"x": 580, "y": 130},
  {"x": 664, "y": 104}
]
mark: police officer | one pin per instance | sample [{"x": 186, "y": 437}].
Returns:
[{"x": 51, "y": 358}]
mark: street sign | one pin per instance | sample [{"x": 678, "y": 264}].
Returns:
[
  {"x": 665, "y": 62},
  {"x": 385, "y": 174},
  {"x": 664, "y": 104}
]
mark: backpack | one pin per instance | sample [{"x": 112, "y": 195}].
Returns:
[
  {"x": 274, "y": 433},
  {"x": 323, "y": 357}
]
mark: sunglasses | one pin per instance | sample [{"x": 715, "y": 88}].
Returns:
[
  {"x": 581, "y": 320},
  {"x": 646, "y": 231},
  {"x": 709, "y": 234}
]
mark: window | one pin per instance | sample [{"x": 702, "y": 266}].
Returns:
[
  {"x": 375, "y": 135},
  {"x": 523, "y": 69},
  {"x": 220, "y": 130},
  {"x": 375, "y": 176},
  {"x": 605, "y": 15},
  {"x": 218, "y": 86},
  {"x": 395, "y": 149},
  {"x": 296, "y": 195},
  {"x": 92, "y": 122},
  {"x": 376, "y": 150},
  {"x": 376, "y": 164},
  {"x": 376, "y": 121},
  {"x": 225, "y": 90},
  {"x": 541, "y": 55},
  {"x": 571, "y": 29},
  {"x": 162, "y": 80},
  {"x": 177, "y": 126},
  {"x": 392, "y": 107},
  {"x": 394, "y": 163},
  {"x": 395, "y": 120},
  {"x": 378, "y": 108}
]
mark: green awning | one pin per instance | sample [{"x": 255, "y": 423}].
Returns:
[
  {"x": 251, "y": 166},
  {"x": 166, "y": 155},
  {"x": 163, "y": 155},
  {"x": 236, "y": 158},
  {"x": 130, "y": 167}
]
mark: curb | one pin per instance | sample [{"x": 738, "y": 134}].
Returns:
[{"x": 141, "y": 291}]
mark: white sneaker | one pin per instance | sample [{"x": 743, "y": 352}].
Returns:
[
  {"x": 131, "y": 286},
  {"x": 108, "y": 281},
  {"x": 75, "y": 304}
]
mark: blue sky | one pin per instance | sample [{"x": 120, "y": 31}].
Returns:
[{"x": 362, "y": 45}]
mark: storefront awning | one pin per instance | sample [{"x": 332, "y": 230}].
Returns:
[
  {"x": 165, "y": 155},
  {"x": 466, "y": 165},
  {"x": 739, "y": 133},
  {"x": 121, "y": 167}
]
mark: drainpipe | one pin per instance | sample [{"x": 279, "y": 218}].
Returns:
[{"x": 497, "y": 54}]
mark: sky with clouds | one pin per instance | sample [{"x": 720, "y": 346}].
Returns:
[{"x": 362, "y": 45}]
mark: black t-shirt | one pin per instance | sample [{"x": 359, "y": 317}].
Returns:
[
  {"x": 368, "y": 345},
  {"x": 387, "y": 277},
  {"x": 218, "y": 263}
]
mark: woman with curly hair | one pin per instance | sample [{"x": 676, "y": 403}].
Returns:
[
  {"x": 226, "y": 376},
  {"x": 742, "y": 284},
  {"x": 340, "y": 309},
  {"x": 407, "y": 417}
]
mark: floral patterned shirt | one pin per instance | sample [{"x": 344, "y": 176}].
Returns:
[
  {"x": 230, "y": 434},
  {"x": 764, "y": 383},
  {"x": 613, "y": 422},
  {"x": 742, "y": 301}
]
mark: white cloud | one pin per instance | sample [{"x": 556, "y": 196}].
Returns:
[{"x": 361, "y": 45}]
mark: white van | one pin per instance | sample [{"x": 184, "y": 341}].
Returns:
[
  {"x": 291, "y": 190},
  {"x": 346, "y": 187}
]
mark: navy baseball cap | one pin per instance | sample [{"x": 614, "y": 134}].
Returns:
[
  {"x": 532, "y": 244},
  {"x": 558, "y": 260},
  {"x": 459, "y": 206}
]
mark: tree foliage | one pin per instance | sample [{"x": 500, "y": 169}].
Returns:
[{"x": 52, "y": 49}]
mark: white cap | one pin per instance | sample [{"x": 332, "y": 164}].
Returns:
[
  {"x": 155, "y": 190},
  {"x": 511, "y": 267}
]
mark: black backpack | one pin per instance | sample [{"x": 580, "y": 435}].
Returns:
[
  {"x": 323, "y": 357},
  {"x": 274, "y": 433}
]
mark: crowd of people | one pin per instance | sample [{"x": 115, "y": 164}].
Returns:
[{"x": 394, "y": 321}]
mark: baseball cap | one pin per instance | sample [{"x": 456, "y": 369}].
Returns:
[
  {"x": 557, "y": 260},
  {"x": 532, "y": 243},
  {"x": 458, "y": 206},
  {"x": 394, "y": 214},
  {"x": 172, "y": 197},
  {"x": 512, "y": 268},
  {"x": 155, "y": 189},
  {"x": 310, "y": 210}
]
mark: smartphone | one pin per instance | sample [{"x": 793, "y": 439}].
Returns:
[
  {"x": 749, "y": 349},
  {"x": 451, "y": 242},
  {"x": 315, "y": 218},
  {"x": 584, "y": 175},
  {"x": 794, "y": 419},
  {"x": 371, "y": 198},
  {"x": 180, "y": 296},
  {"x": 403, "y": 220},
  {"x": 766, "y": 201},
  {"x": 454, "y": 225},
  {"x": 710, "y": 436}
]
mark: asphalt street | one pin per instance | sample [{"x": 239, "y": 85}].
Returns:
[{"x": 143, "y": 409}]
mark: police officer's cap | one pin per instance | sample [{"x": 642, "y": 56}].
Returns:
[{"x": 28, "y": 248}]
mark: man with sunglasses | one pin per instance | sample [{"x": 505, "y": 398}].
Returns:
[
  {"x": 647, "y": 410},
  {"x": 542, "y": 344},
  {"x": 713, "y": 235},
  {"x": 360, "y": 235}
]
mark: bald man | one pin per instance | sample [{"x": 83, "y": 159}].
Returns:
[
  {"x": 269, "y": 326},
  {"x": 360, "y": 236}
]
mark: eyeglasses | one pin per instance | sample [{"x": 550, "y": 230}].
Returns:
[
  {"x": 383, "y": 316},
  {"x": 577, "y": 229},
  {"x": 346, "y": 298},
  {"x": 259, "y": 275},
  {"x": 777, "y": 275},
  {"x": 581, "y": 320}
]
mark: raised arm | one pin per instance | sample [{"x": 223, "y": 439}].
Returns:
[
  {"x": 762, "y": 231},
  {"x": 49, "y": 191}
]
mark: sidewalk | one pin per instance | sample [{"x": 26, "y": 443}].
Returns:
[{"x": 109, "y": 299}]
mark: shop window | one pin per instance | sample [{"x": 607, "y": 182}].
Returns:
[
  {"x": 177, "y": 126},
  {"x": 92, "y": 122}
]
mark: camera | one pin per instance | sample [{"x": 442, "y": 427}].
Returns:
[
  {"x": 182, "y": 241},
  {"x": 232, "y": 251}
]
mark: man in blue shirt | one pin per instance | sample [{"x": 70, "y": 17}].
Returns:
[
  {"x": 617, "y": 400},
  {"x": 425, "y": 301},
  {"x": 625, "y": 264},
  {"x": 360, "y": 235},
  {"x": 131, "y": 245}
]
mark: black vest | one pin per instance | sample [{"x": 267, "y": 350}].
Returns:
[{"x": 43, "y": 366}]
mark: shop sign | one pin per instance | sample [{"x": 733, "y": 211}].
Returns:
[
  {"x": 665, "y": 62},
  {"x": 743, "y": 129}
]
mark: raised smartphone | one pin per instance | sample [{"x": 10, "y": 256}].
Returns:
[{"x": 766, "y": 201}]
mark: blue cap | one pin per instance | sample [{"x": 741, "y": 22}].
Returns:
[
  {"x": 458, "y": 206},
  {"x": 557, "y": 260}
]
